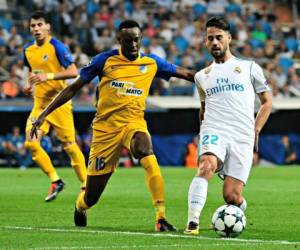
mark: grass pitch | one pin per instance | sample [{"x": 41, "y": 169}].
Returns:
[{"x": 124, "y": 217}]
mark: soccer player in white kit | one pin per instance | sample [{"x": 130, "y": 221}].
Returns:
[{"x": 228, "y": 131}]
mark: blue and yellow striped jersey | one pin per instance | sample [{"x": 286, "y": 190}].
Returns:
[
  {"x": 123, "y": 85},
  {"x": 51, "y": 57}
]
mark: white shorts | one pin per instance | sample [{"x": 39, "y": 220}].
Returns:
[{"x": 235, "y": 154}]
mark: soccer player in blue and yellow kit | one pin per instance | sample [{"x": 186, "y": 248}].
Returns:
[
  {"x": 50, "y": 63},
  {"x": 125, "y": 78}
]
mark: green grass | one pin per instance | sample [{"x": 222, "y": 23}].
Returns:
[{"x": 124, "y": 217}]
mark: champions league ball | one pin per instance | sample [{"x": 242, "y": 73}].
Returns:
[{"x": 229, "y": 221}]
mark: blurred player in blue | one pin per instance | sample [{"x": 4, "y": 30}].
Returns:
[
  {"x": 125, "y": 76},
  {"x": 16, "y": 149},
  {"x": 228, "y": 131}
]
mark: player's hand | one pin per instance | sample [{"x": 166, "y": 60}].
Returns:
[
  {"x": 27, "y": 90},
  {"x": 256, "y": 142},
  {"x": 35, "y": 126},
  {"x": 37, "y": 78}
]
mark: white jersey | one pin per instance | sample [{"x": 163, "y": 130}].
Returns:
[{"x": 228, "y": 90}]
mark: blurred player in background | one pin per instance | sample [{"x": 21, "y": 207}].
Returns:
[
  {"x": 125, "y": 78},
  {"x": 50, "y": 63},
  {"x": 228, "y": 131}
]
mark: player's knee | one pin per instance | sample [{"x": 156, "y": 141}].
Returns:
[
  {"x": 231, "y": 198},
  {"x": 33, "y": 146},
  {"x": 207, "y": 168},
  {"x": 67, "y": 145},
  {"x": 142, "y": 151},
  {"x": 141, "y": 145},
  {"x": 71, "y": 149}
]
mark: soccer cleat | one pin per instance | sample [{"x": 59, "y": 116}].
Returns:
[
  {"x": 162, "y": 225},
  {"x": 80, "y": 218},
  {"x": 192, "y": 228},
  {"x": 55, "y": 188}
]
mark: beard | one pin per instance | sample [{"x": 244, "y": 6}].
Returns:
[{"x": 218, "y": 54}]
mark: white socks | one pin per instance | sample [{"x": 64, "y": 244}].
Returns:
[
  {"x": 197, "y": 198},
  {"x": 243, "y": 206}
]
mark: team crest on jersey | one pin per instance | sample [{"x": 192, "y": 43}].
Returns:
[
  {"x": 45, "y": 57},
  {"x": 126, "y": 88},
  {"x": 143, "y": 68},
  {"x": 237, "y": 70}
]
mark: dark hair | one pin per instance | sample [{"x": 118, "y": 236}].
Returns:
[
  {"x": 218, "y": 22},
  {"x": 38, "y": 14},
  {"x": 129, "y": 24}
]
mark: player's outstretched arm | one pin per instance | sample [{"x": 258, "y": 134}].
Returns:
[
  {"x": 68, "y": 73},
  {"x": 262, "y": 114},
  {"x": 65, "y": 95},
  {"x": 185, "y": 74}
]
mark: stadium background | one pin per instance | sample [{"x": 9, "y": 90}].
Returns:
[{"x": 266, "y": 31}]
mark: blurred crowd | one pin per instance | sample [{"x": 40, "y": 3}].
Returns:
[
  {"x": 274, "y": 149},
  {"x": 14, "y": 153},
  {"x": 173, "y": 29}
]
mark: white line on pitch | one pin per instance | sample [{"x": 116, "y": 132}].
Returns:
[
  {"x": 164, "y": 235},
  {"x": 168, "y": 246}
]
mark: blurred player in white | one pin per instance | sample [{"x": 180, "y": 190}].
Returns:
[{"x": 228, "y": 131}]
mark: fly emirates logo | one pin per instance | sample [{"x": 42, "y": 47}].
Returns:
[
  {"x": 223, "y": 85},
  {"x": 126, "y": 88}
]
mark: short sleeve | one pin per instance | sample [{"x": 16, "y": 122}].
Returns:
[
  {"x": 63, "y": 54},
  {"x": 94, "y": 68},
  {"x": 165, "y": 69},
  {"x": 258, "y": 79},
  {"x": 25, "y": 60},
  {"x": 198, "y": 85}
]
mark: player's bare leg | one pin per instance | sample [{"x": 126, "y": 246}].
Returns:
[
  {"x": 42, "y": 159},
  {"x": 89, "y": 197},
  {"x": 141, "y": 148},
  {"x": 207, "y": 166},
  {"x": 232, "y": 192}
]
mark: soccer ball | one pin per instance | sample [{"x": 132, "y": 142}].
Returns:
[{"x": 229, "y": 221}]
